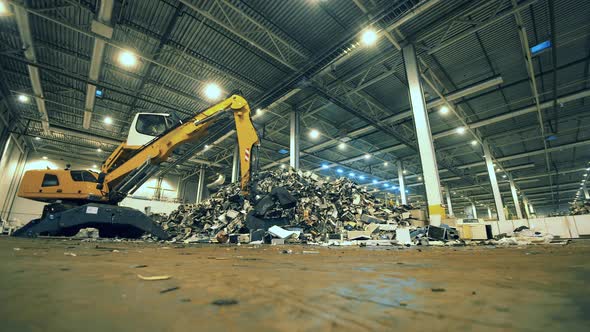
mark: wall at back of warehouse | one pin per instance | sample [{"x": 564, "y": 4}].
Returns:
[{"x": 159, "y": 196}]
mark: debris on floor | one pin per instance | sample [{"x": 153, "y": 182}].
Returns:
[
  {"x": 87, "y": 233},
  {"x": 153, "y": 278},
  {"x": 522, "y": 236}
]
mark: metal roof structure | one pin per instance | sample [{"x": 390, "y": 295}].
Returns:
[{"x": 531, "y": 106}]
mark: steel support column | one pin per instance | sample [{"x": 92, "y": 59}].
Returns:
[
  {"x": 402, "y": 182},
  {"x": 494, "y": 183},
  {"x": 201, "y": 184},
  {"x": 294, "y": 137},
  {"x": 526, "y": 208},
  {"x": 515, "y": 199},
  {"x": 489, "y": 213},
  {"x": 474, "y": 210},
  {"x": 235, "y": 169},
  {"x": 449, "y": 205},
  {"x": 424, "y": 136},
  {"x": 585, "y": 189}
]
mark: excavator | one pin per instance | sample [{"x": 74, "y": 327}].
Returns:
[{"x": 82, "y": 198}]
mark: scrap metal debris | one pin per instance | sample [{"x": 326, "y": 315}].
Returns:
[
  {"x": 286, "y": 206},
  {"x": 153, "y": 278},
  {"x": 222, "y": 302},
  {"x": 169, "y": 289}
]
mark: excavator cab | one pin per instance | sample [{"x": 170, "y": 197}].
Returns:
[{"x": 147, "y": 126}]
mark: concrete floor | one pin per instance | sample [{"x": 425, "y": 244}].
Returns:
[{"x": 533, "y": 288}]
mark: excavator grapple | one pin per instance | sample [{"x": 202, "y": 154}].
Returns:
[{"x": 110, "y": 220}]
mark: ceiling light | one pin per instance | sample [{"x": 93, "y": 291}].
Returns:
[
  {"x": 23, "y": 98},
  {"x": 212, "y": 91},
  {"x": 367, "y": 156},
  {"x": 206, "y": 147},
  {"x": 94, "y": 165},
  {"x": 460, "y": 130},
  {"x": 375, "y": 181},
  {"x": 586, "y": 174},
  {"x": 419, "y": 178},
  {"x": 44, "y": 157},
  {"x": 99, "y": 150},
  {"x": 351, "y": 174},
  {"x": 385, "y": 185},
  {"x": 4, "y": 9},
  {"x": 339, "y": 170},
  {"x": 404, "y": 171},
  {"x": 362, "y": 177},
  {"x": 282, "y": 166},
  {"x": 385, "y": 164},
  {"x": 369, "y": 37},
  {"x": 38, "y": 138},
  {"x": 108, "y": 120},
  {"x": 474, "y": 142},
  {"x": 444, "y": 110},
  {"x": 504, "y": 176},
  {"x": 314, "y": 134},
  {"x": 325, "y": 166},
  {"x": 127, "y": 59},
  {"x": 341, "y": 146},
  {"x": 259, "y": 111}
]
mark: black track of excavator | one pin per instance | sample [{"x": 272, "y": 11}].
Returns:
[{"x": 110, "y": 220}]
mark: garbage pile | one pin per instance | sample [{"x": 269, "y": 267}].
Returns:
[
  {"x": 302, "y": 207},
  {"x": 522, "y": 236},
  {"x": 580, "y": 208}
]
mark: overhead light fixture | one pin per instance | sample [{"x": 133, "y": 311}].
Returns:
[
  {"x": 367, "y": 156},
  {"x": 282, "y": 166},
  {"x": 206, "y": 147},
  {"x": 404, "y": 171},
  {"x": 385, "y": 164},
  {"x": 98, "y": 93},
  {"x": 23, "y": 98},
  {"x": 314, "y": 134},
  {"x": 504, "y": 176},
  {"x": 44, "y": 157},
  {"x": 385, "y": 185},
  {"x": 339, "y": 170},
  {"x": 586, "y": 174},
  {"x": 444, "y": 110},
  {"x": 99, "y": 150},
  {"x": 324, "y": 166},
  {"x": 259, "y": 111},
  {"x": 375, "y": 181},
  {"x": 127, "y": 59},
  {"x": 351, "y": 174},
  {"x": 212, "y": 91},
  {"x": 108, "y": 120},
  {"x": 419, "y": 178},
  {"x": 342, "y": 146},
  {"x": 4, "y": 9},
  {"x": 362, "y": 177},
  {"x": 460, "y": 130},
  {"x": 474, "y": 142},
  {"x": 38, "y": 138},
  {"x": 94, "y": 165},
  {"x": 369, "y": 37}
]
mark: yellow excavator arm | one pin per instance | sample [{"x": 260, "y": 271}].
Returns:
[{"x": 119, "y": 176}]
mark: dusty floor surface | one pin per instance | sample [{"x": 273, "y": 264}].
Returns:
[{"x": 44, "y": 287}]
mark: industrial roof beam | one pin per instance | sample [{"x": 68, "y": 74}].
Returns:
[
  {"x": 24, "y": 29},
  {"x": 533, "y": 81},
  {"x": 276, "y": 47},
  {"x": 100, "y": 26},
  {"x": 480, "y": 25}
]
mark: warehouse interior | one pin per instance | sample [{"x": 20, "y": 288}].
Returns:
[{"x": 438, "y": 131}]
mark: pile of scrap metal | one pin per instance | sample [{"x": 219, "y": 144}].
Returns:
[
  {"x": 311, "y": 208},
  {"x": 578, "y": 208}
]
